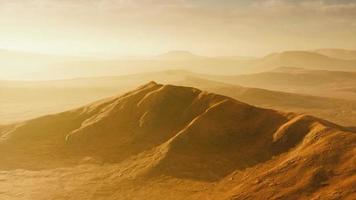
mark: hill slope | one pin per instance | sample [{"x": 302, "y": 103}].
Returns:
[
  {"x": 25, "y": 100},
  {"x": 172, "y": 142}
]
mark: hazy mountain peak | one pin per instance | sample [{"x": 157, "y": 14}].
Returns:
[{"x": 178, "y": 55}]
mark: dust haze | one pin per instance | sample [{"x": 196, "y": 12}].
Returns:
[{"x": 151, "y": 100}]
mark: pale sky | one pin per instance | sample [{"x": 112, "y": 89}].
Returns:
[{"x": 147, "y": 27}]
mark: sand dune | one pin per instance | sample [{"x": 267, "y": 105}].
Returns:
[{"x": 173, "y": 142}]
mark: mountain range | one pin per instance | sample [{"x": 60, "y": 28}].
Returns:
[{"x": 40, "y": 67}]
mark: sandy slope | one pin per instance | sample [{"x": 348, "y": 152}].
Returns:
[{"x": 172, "y": 142}]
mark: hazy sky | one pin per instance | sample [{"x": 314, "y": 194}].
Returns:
[{"x": 208, "y": 27}]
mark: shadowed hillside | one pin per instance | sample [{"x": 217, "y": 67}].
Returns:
[{"x": 173, "y": 142}]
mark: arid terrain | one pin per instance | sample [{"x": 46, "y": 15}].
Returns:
[
  {"x": 173, "y": 142},
  {"x": 177, "y": 100},
  {"x": 21, "y": 100}
]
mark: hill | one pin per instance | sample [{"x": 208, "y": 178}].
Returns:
[
  {"x": 183, "y": 60},
  {"x": 179, "y": 55},
  {"x": 25, "y": 100},
  {"x": 339, "y": 84},
  {"x": 173, "y": 142},
  {"x": 303, "y": 59},
  {"x": 338, "y": 53},
  {"x": 24, "y": 66}
]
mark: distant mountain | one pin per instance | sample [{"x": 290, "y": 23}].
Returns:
[
  {"x": 297, "y": 59},
  {"x": 338, "y": 53},
  {"x": 340, "y": 84},
  {"x": 179, "y": 55},
  {"x": 172, "y": 142},
  {"x": 46, "y": 67},
  {"x": 303, "y": 59}
]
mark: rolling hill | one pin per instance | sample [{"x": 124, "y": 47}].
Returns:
[
  {"x": 183, "y": 60},
  {"x": 338, "y": 53},
  {"x": 173, "y": 142},
  {"x": 339, "y": 84},
  {"x": 301, "y": 59},
  {"x": 20, "y": 66}
]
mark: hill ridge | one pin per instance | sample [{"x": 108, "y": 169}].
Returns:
[{"x": 161, "y": 134}]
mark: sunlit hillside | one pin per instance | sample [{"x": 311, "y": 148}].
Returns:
[{"x": 144, "y": 153}]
